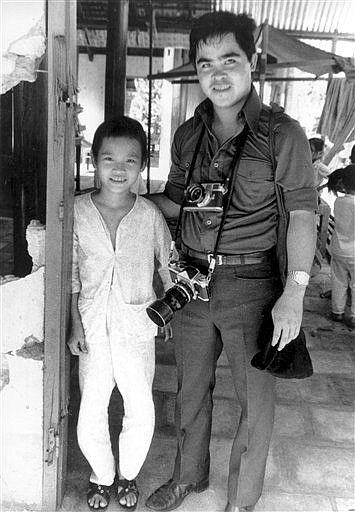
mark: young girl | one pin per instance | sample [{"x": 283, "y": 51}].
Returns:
[
  {"x": 118, "y": 236},
  {"x": 343, "y": 243}
]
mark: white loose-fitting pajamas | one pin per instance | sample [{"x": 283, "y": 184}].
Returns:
[{"x": 115, "y": 287}]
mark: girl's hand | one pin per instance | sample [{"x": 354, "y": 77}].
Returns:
[
  {"x": 167, "y": 331},
  {"x": 76, "y": 342}
]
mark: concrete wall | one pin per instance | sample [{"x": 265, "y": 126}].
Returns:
[{"x": 21, "y": 395}]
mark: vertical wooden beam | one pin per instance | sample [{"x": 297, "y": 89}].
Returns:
[
  {"x": 151, "y": 14},
  {"x": 59, "y": 219},
  {"x": 116, "y": 54},
  {"x": 263, "y": 59}
]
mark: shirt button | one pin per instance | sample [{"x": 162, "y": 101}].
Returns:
[
  {"x": 216, "y": 164},
  {"x": 187, "y": 164},
  {"x": 208, "y": 222}
]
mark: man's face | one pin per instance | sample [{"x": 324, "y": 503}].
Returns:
[{"x": 224, "y": 71}]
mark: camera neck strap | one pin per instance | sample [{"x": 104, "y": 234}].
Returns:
[{"x": 233, "y": 168}]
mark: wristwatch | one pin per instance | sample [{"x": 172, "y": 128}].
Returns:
[{"x": 299, "y": 276}]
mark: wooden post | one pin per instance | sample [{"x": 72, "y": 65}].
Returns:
[
  {"x": 116, "y": 53},
  {"x": 149, "y": 138},
  {"x": 59, "y": 220},
  {"x": 263, "y": 59}
]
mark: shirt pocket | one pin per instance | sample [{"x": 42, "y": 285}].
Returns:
[{"x": 255, "y": 185}]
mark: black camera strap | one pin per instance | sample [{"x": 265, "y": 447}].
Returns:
[
  {"x": 231, "y": 181},
  {"x": 233, "y": 173}
]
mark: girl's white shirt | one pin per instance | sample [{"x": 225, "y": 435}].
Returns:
[{"x": 125, "y": 274}]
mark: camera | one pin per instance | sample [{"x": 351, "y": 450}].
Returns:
[
  {"x": 205, "y": 196},
  {"x": 190, "y": 284}
]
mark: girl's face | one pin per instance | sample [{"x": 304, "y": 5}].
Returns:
[{"x": 118, "y": 164}]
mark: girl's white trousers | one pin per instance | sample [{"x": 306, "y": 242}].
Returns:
[{"x": 131, "y": 366}]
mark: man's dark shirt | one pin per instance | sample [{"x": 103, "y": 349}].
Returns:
[{"x": 251, "y": 224}]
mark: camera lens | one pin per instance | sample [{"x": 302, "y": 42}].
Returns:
[
  {"x": 195, "y": 193},
  {"x": 162, "y": 310}
]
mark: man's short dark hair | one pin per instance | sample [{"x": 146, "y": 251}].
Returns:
[
  {"x": 121, "y": 126},
  {"x": 221, "y": 23},
  {"x": 317, "y": 143}
]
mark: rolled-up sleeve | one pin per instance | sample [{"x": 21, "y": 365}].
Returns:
[{"x": 294, "y": 171}]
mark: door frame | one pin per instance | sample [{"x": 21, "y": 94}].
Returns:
[{"x": 62, "y": 79}]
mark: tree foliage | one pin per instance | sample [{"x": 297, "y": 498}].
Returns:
[{"x": 140, "y": 106}]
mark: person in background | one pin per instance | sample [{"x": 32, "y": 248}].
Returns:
[
  {"x": 342, "y": 263},
  {"x": 321, "y": 171},
  {"x": 272, "y": 211},
  {"x": 117, "y": 237}
]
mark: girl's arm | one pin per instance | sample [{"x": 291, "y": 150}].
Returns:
[{"x": 76, "y": 342}]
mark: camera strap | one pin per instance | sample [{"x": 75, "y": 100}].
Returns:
[{"x": 231, "y": 181}]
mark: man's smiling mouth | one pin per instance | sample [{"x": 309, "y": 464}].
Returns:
[
  {"x": 118, "y": 180},
  {"x": 220, "y": 87}
]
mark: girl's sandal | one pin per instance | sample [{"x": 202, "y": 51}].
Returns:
[
  {"x": 128, "y": 487},
  {"x": 100, "y": 490}
]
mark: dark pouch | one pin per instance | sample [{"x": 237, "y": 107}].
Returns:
[{"x": 292, "y": 362}]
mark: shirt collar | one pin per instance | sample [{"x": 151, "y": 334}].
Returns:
[{"x": 251, "y": 111}]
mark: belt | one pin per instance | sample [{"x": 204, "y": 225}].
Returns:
[{"x": 232, "y": 259}]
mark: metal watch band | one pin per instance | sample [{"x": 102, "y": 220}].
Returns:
[{"x": 299, "y": 276}]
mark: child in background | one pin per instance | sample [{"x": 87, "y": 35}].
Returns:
[
  {"x": 343, "y": 243},
  {"x": 118, "y": 236}
]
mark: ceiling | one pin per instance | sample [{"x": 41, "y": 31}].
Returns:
[{"x": 311, "y": 18}]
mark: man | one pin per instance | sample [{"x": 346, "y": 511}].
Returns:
[{"x": 245, "y": 284}]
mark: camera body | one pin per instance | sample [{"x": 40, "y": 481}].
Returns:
[
  {"x": 189, "y": 284},
  {"x": 191, "y": 277},
  {"x": 205, "y": 197}
]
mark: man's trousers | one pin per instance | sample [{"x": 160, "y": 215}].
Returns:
[{"x": 240, "y": 296}]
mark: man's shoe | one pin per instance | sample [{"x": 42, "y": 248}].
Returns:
[
  {"x": 171, "y": 494},
  {"x": 337, "y": 317},
  {"x": 231, "y": 508}
]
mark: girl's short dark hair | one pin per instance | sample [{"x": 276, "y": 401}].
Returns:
[
  {"x": 220, "y": 23},
  {"x": 121, "y": 126}
]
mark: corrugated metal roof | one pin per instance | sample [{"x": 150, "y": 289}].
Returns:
[{"x": 324, "y": 16}]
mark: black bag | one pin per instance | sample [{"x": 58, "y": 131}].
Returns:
[{"x": 292, "y": 362}]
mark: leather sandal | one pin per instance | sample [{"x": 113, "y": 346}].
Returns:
[
  {"x": 171, "y": 494},
  {"x": 128, "y": 487},
  {"x": 101, "y": 490}
]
